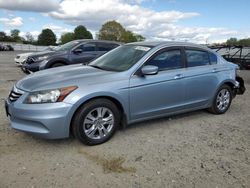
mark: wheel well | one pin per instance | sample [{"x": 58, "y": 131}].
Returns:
[
  {"x": 231, "y": 85},
  {"x": 59, "y": 61},
  {"x": 115, "y": 101}
]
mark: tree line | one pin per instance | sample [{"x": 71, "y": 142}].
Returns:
[
  {"x": 110, "y": 30},
  {"x": 236, "y": 42}
]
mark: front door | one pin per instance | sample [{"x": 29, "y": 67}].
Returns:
[{"x": 155, "y": 95}]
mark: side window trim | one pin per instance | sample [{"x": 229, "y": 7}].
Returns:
[
  {"x": 195, "y": 49},
  {"x": 166, "y": 50}
]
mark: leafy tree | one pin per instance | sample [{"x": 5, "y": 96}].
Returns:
[
  {"x": 3, "y": 36},
  {"x": 139, "y": 37},
  {"x": 15, "y": 35},
  {"x": 29, "y": 37},
  {"x": 114, "y": 31},
  {"x": 81, "y": 32},
  {"x": 244, "y": 42},
  {"x": 128, "y": 36},
  {"x": 232, "y": 41},
  {"x": 47, "y": 37},
  {"x": 67, "y": 37}
]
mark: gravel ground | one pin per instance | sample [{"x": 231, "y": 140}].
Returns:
[{"x": 196, "y": 149}]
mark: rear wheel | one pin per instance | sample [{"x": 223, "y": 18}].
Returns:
[
  {"x": 222, "y": 100},
  {"x": 96, "y": 121}
]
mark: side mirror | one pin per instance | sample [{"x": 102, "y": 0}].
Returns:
[
  {"x": 149, "y": 70},
  {"x": 78, "y": 51}
]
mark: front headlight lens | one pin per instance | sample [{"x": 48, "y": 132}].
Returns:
[
  {"x": 42, "y": 58},
  {"x": 49, "y": 96}
]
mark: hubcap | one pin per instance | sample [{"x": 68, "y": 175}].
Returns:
[
  {"x": 223, "y": 99},
  {"x": 98, "y": 123}
]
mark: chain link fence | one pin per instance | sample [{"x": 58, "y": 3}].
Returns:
[{"x": 24, "y": 47}]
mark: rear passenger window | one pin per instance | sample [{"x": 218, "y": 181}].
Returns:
[
  {"x": 213, "y": 58},
  {"x": 88, "y": 47},
  {"x": 106, "y": 47},
  {"x": 197, "y": 58},
  {"x": 167, "y": 60}
]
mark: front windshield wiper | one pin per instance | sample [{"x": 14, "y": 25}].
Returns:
[
  {"x": 97, "y": 67},
  {"x": 102, "y": 68}
]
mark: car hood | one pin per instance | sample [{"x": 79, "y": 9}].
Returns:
[
  {"x": 63, "y": 76},
  {"x": 48, "y": 53},
  {"x": 25, "y": 54}
]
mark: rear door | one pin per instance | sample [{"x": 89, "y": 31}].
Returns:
[{"x": 200, "y": 77}]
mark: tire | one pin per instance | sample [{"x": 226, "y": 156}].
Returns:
[
  {"x": 57, "y": 65},
  {"x": 222, "y": 100},
  {"x": 96, "y": 121}
]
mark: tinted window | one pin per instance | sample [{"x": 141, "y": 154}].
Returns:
[
  {"x": 197, "y": 58},
  {"x": 213, "y": 58},
  {"x": 106, "y": 47},
  {"x": 87, "y": 47},
  {"x": 167, "y": 60}
]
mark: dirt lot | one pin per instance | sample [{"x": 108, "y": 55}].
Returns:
[{"x": 197, "y": 149}]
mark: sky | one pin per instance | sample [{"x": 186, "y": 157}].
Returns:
[{"x": 199, "y": 21}]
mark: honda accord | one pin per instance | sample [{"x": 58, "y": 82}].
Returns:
[{"x": 134, "y": 82}]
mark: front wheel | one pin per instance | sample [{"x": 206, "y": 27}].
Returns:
[
  {"x": 57, "y": 65},
  {"x": 222, "y": 100},
  {"x": 96, "y": 121}
]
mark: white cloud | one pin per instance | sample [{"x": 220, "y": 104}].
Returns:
[
  {"x": 154, "y": 25},
  {"x": 96, "y": 12},
  {"x": 30, "y": 5},
  {"x": 56, "y": 28},
  {"x": 12, "y": 22},
  {"x": 151, "y": 24}
]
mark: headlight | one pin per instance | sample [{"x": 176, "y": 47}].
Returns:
[
  {"x": 42, "y": 58},
  {"x": 49, "y": 96}
]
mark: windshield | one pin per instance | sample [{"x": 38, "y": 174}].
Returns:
[
  {"x": 121, "y": 58},
  {"x": 67, "y": 46}
]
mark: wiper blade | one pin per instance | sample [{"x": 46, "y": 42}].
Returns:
[
  {"x": 97, "y": 67},
  {"x": 103, "y": 68}
]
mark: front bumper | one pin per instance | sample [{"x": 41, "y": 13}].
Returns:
[
  {"x": 48, "y": 121},
  {"x": 29, "y": 68},
  {"x": 20, "y": 61}
]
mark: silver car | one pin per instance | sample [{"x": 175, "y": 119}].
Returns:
[{"x": 134, "y": 82}]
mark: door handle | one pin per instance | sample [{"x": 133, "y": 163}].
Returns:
[
  {"x": 178, "y": 76},
  {"x": 215, "y": 70}
]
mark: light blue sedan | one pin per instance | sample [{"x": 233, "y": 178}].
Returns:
[{"x": 132, "y": 83}]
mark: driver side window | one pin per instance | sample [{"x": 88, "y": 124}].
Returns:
[
  {"x": 87, "y": 47},
  {"x": 165, "y": 60}
]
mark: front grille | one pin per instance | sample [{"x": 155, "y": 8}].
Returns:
[
  {"x": 15, "y": 94},
  {"x": 30, "y": 60}
]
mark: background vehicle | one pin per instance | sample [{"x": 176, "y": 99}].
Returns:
[
  {"x": 20, "y": 59},
  {"x": 74, "y": 52},
  {"x": 132, "y": 83},
  {"x": 6, "y": 47},
  {"x": 239, "y": 55}
]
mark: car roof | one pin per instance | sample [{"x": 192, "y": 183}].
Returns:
[
  {"x": 103, "y": 41},
  {"x": 169, "y": 43}
]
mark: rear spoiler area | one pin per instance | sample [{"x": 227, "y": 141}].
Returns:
[{"x": 240, "y": 90}]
